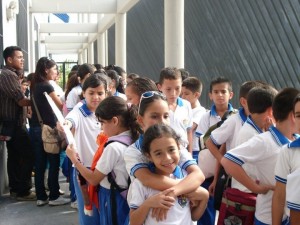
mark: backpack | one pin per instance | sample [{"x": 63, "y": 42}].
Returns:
[{"x": 114, "y": 187}]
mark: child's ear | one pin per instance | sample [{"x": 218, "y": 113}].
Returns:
[
  {"x": 243, "y": 102},
  {"x": 115, "y": 120},
  {"x": 140, "y": 120},
  {"x": 230, "y": 95},
  {"x": 197, "y": 94},
  {"x": 210, "y": 96},
  {"x": 159, "y": 86}
]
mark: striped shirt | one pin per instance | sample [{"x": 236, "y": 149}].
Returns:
[{"x": 10, "y": 95}]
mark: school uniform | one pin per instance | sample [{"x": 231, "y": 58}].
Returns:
[
  {"x": 112, "y": 159},
  {"x": 293, "y": 190},
  {"x": 179, "y": 214},
  {"x": 73, "y": 97},
  {"x": 228, "y": 131},
  {"x": 197, "y": 113},
  {"x": 247, "y": 131},
  {"x": 207, "y": 162},
  {"x": 262, "y": 152},
  {"x": 87, "y": 129},
  {"x": 181, "y": 119}
]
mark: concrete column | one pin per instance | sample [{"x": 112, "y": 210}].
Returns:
[
  {"x": 80, "y": 58},
  {"x": 90, "y": 53},
  {"x": 102, "y": 48},
  {"x": 84, "y": 55},
  {"x": 120, "y": 39},
  {"x": 32, "y": 39},
  {"x": 174, "y": 33}
]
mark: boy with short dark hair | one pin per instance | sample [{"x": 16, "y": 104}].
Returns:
[
  {"x": 191, "y": 91},
  {"x": 180, "y": 110},
  {"x": 262, "y": 152},
  {"x": 220, "y": 93}
]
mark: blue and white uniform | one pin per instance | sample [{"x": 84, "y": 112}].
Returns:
[
  {"x": 181, "y": 119},
  {"x": 180, "y": 213},
  {"x": 112, "y": 159},
  {"x": 87, "y": 128},
  {"x": 262, "y": 152},
  {"x": 293, "y": 190}
]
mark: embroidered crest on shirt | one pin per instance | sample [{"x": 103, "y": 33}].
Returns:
[{"x": 182, "y": 201}]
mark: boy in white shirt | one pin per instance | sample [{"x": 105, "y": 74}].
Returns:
[
  {"x": 288, "y": 163},
  {"x": 180, "y": 110},
  {"x": 220, "y": 93},
  {"x": 191, "y": 91},
  {"x": 262, "y": 152}
]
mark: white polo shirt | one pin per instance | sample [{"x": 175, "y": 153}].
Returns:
[
  {"x": 288, "y": 161},
  {"x": 229, "y": 130},
  {"x": 293, "y": 190},
  {"x": 73, "y": 97},
  {"x": 262, "y": 152},
  {"x": 134, "y": 158},
  {"x": 197, "y": 113},
  {"x": 208, "y": 119},
  {"x": 87, "y": 128},
  {"x": 112, "y": 159},
  {"x": 247, "y": 131},
  {"x": 206, "y": 160},
  {"x": 181, "y": 119},
  {"x": 180, "y": 213}
]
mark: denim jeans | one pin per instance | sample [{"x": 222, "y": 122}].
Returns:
[
  {"x": 20, "y": 160},
  {"x": 41, "y": 158}
]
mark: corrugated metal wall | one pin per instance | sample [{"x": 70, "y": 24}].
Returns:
[
  {"x": 22, "y": 31},
  {"x": 242, "y": 40}
]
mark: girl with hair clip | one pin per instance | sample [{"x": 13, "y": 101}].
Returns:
[
  {"x": 120, "y": 126},
  {"x": 85, "y": 128},
  {"x": 153, "y": 109},
  {"x": 161, "y": 147}
]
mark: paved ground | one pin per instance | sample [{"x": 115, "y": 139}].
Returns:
[{"x": 14, "y": 212}]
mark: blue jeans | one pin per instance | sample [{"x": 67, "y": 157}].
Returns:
[
  {"x": 41, "y": 159},
  {"x": 84, "y": 219}
]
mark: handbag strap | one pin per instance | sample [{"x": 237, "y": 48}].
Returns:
[{"x": 37, "y": 111}]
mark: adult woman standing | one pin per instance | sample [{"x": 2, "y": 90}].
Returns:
[{"x": 46, "y": 70}]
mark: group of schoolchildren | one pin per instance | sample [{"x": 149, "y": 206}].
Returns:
[{"x": 149, "y": 145}]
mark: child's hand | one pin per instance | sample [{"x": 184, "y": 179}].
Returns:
[
  {"x": 72, "y": 154},
  {"x": 160, "y": 204},
  {"x": 59, "y": 126},
  {"x": 211, "y": 188}
]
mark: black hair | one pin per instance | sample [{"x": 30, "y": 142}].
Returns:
[
  {"x": 283, "y": 103},
  {"x": 169, "y": 73},
  {"x": 10, "y": 51},
  {"x": 116, "y": 106},
  {"x": 112, "y": 74},
  {"x": 145, "y": 102},
  {"x": 296, "y": 100},
  {"x": 84, "y": 70},
  {"x": 142, "y": 84},
  {"x": 98, "y": 66},
  {"x": 220, "y": 80},
  {"x": 246, "y": 87},
  {"x": 260, "y": 99},
  {"x": 40, "y": 74},
  {"x": 133, "y": 76},
  {"x": 94, "y": 81},
  {"x": 184, "y": 73},
  {"x": 71, "y": 83},
  {"x": 30, "y": 77},
  {"x": 193, "y": 84},
  {"x": 158, "y": 131},
  {"x": 75, "y": 67}
]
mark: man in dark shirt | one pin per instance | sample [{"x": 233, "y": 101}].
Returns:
[{"x": 20, "y": 155}]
